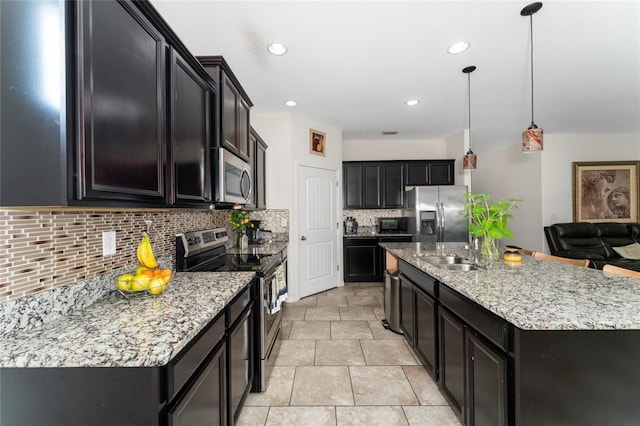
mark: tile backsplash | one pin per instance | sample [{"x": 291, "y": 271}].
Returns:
[
  {"x": 367, "y": 217},
  {"x": 44, "y": 249}
]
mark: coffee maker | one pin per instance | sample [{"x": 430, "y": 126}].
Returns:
[
  {"x": 350, "y": 225},
  {"x": 255, "y": 233}
]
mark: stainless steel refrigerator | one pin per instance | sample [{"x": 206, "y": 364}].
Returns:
[{"x": 436, "y": 213}]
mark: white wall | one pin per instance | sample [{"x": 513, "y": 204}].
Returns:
[
  {"x": 372, "y": 150},
  {"x": 275, "y": 129},
  {"x": 543, "y": 180},
  {"x": 508, "y": 173},
  {"x": 457, "y": 145},
  {"x": 288, "y": 138},
  {"x": 560, "y": 151}
]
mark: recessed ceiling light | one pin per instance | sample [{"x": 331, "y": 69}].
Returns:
[
  {"x": 291, "y": 103},
  {"x": 412, "y": 102},
  {"x": 277, "y": 49},
  {"x": 458, "y": 47}
]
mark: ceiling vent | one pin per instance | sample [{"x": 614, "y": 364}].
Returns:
[{"x": 390, "y": 132}]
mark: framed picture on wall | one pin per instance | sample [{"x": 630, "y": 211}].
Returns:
[
  {"x": 605, "y": 191},
  {"x": 317, "y": 142}
]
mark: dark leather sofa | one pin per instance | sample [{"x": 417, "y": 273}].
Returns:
[{"x": 594, "y": 241}]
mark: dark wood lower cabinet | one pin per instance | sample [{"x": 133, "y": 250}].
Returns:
[
  {"x": 205, "y": 403},
  {"x": 407, "y": 309},
  {"x": 362, "y": 260},
  {"x": 487, "y": 383},
  {"x": 452, "y": 360},
  {"x": 240, "y": 363},
  {"x": 425, "y": 340}
]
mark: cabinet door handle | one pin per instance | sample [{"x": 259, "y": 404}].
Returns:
[{"x": 303, "y": 238}]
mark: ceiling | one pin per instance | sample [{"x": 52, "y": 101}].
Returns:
[{"x": 353, "y": 64}]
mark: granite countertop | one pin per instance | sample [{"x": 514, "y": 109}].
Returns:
[
  {"x": 537, "y": 295},
  {"x": 370, "y": 231},
  {"x": 273, "y": 247},
  {"x": 143, "y": 331}
]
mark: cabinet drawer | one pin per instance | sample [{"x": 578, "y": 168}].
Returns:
[
  {"x": 486, "y": 323},
  {"x": 365, "y": 241},
  {"x": 185, "y": 364},
  {"x": 421, "y": 280},
  {"x": 238, "y": 305}
]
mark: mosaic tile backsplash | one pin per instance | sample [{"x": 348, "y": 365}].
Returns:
[{"x": 45, "y": 249}]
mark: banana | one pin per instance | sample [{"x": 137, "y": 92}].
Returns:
[{"x": 145, "y": 252}]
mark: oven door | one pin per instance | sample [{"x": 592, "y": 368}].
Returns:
[
  {"x": 268, "y": 339},
  {"x": 232, "y": 177}
]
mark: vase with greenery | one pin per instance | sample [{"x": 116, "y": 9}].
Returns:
[
  {"x": 488, "y": 221},
  {"x": 240, "y": 222}
]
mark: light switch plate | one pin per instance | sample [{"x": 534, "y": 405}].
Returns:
[{"x": 108, "y": 243}]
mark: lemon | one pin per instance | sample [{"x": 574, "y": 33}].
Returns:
[
  {"x": 156, "y": 286},
  {"x": 124, "y": 282},
  {"x": 140, "y": 283}
]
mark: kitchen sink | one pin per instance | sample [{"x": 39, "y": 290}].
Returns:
[
  {"x": 450, "y": 263},
  {"x": 458, "y": 266},
  {"x": 441, "y": 259}
]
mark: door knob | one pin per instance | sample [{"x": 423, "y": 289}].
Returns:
[{"x": 303, "y": 238}]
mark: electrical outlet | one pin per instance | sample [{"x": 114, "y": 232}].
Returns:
[
  {"x": 283, "y": 222},
  {"x": 108, "y": 243}
]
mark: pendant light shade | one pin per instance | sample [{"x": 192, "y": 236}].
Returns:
[
  {"x": 532, "y": 137},
  {"x": 470, "y": 160}
]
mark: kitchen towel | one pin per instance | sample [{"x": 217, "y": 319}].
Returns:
[{"x": 278, "y": 290}]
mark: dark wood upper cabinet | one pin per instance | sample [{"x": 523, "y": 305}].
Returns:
[
  {"x": 393, "y": 186},
  {"x": 190, "y": 132},
  {"x": 121, "y": 86},
  {"x": 373, "y": 184},
  {"x": 430, "y": 172},
  {"x": 260, "y": 174},
  {"x": 352, "y": 185},
  {"x": 234, "y": 106}
]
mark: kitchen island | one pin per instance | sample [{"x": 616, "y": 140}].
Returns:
[
  {"x": 138, "y": 361},
  {"x": 536, "y": 343}
]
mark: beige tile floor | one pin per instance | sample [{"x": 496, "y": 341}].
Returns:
[{"x": 337, "y": 365}]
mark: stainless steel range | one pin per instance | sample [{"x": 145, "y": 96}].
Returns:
[{"x": 205, "y": 251}]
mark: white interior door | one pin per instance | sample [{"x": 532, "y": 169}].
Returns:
[{"x": 317, "y": 230}]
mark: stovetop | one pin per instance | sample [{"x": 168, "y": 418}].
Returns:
[{"x": 205, "y": 251}]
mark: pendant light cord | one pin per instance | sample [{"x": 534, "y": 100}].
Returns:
[
  {"x": 469, "y": 84},
  {"x": 531, "y": 26}
]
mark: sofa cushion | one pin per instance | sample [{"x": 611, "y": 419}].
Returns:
[
  {"x": 612, "y": 230},
  {"x": 614, "y": 235},
  {"x": 631, "y": 251},
  {"x": 580, "y": 237},
  {"x": 575, "y": 230}
]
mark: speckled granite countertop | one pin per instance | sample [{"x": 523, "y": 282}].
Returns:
[
  {"x": 538, "y": 295},
  {"x": 117, "y": 332},
  {"x": 265, "y": 249},
  {"x": 369, "y": 231}
]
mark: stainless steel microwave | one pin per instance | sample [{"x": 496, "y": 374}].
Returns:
[{"x": 232, "y": 178}]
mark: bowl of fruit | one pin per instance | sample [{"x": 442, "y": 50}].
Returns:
[
  {"x": 144, "y": 281},
  {"x": 148, "y": 278}
]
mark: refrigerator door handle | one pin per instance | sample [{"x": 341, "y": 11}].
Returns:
[{"x": 442, "y": 222}]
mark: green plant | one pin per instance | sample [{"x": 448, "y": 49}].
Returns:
[
  {"x": 488, "y": 220},
  {"x": 239, "y": 220}
]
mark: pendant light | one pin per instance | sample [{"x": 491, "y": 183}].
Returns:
[
  {"x": 469, "y": 161},
  {"x": 532, "y": 137}
]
